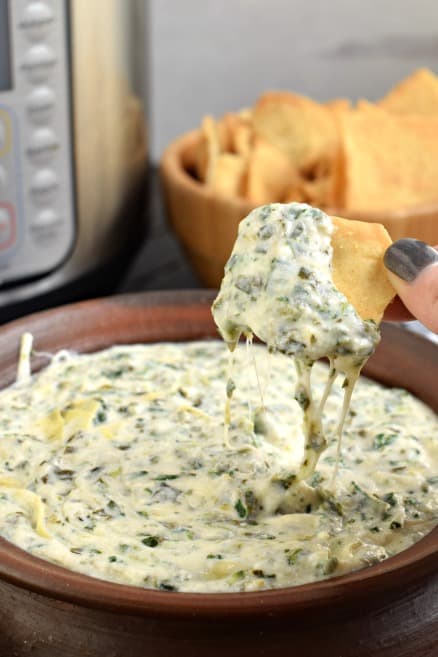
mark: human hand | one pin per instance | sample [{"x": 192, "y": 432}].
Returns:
[{"x": 413, "y": 271}]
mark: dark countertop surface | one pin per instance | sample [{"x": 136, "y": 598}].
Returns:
[{"x": 160, "y": 263}]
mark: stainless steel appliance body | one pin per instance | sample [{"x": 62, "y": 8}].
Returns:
[{"x": 72, "y": 148}]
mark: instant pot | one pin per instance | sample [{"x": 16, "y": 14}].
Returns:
[{"x": 72, "y": 148}]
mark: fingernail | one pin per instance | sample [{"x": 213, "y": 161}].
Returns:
[{"x": 406, "y": 258}]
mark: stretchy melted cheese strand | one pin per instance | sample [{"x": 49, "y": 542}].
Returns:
[
  {"x": 230, "y": 385},
  {"x": 349, "y": 384}
]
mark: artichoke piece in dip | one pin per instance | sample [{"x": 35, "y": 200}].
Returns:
[{"x": 278, "y": 285}]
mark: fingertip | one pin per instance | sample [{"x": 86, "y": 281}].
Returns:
[
  {"x": 397, "y": 283},
  {"x": 408, "y": 257},
  {"x": 420, "y": 296}
]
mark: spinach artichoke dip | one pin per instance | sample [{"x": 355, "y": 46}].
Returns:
[
  {"x": 278, "y": 285},
  {"x": 123, "y": 465}
]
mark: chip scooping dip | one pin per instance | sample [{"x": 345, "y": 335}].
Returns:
[
  {"x": 309, "y": 287},
  {"x": 357, "y": 265}
]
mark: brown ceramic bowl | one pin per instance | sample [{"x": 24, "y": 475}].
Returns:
[
  {"x": 206, "y": 223},
  {"x": 387, "y": 610}
]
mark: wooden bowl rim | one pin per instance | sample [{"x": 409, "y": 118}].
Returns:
[{"x": 191, "y": 308}]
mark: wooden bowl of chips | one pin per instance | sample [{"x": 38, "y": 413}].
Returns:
[
  {"x": 204, "y": 221},
  {"x": 374, "y": 162}
]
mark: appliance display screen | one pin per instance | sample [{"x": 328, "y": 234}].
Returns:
[{"x": 5, "y": 51}]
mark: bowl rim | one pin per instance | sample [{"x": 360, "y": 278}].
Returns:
[
  {"x": 39, "y": 576},
  {"x": 172, "y": 168}
]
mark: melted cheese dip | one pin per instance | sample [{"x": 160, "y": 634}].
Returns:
[{"x": 115, "y": 465}]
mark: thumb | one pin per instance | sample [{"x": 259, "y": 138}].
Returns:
[{"x": 413, "y": 271}]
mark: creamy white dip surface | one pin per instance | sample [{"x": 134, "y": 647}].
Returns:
[{"x": 116, "y": 465}]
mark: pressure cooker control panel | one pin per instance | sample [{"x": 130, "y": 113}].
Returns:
[{"x": 37, "y": 224}]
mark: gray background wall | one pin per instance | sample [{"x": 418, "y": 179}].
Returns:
[{"x": 210, "y": 56}]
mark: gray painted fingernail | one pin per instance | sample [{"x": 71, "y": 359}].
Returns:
[{"x": 406, "y": 258}]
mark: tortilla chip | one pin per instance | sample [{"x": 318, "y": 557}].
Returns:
[
  {"x": 339, "y": 104},
  {"x": 364, "y": 105},
  {"x": 228, "y": 174},
  {"x": 357, "y": 266},
  {"x": 237, "y": 134},
  {"x": 246, "y": 113},
  {"x": 314, "y": 192},
  {"x": 297, "y": 193},
  {"x": 269, "y": 173},
  {"x": 390, "y": 161},
  {"x": 242, "y": 139},
  {"x": 302, "y": 129},
  {"x": 208, "y": 148},
  {"x": 417, "y": 94}
]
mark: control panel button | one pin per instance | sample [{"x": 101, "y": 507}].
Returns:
[
  {"x": 3, "y": 177},
  {"x": 42, "y": 146},
  {"x": 36, "y": 20},
  {"x": 46, "y": 218},
  {"x": 38, "y": 62},
  {"x": 40, "y": 104},
  {"x": 7, "y": 226},
  {"x": 44, "y": 185},
  {"x": 5, "y": 133}
]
